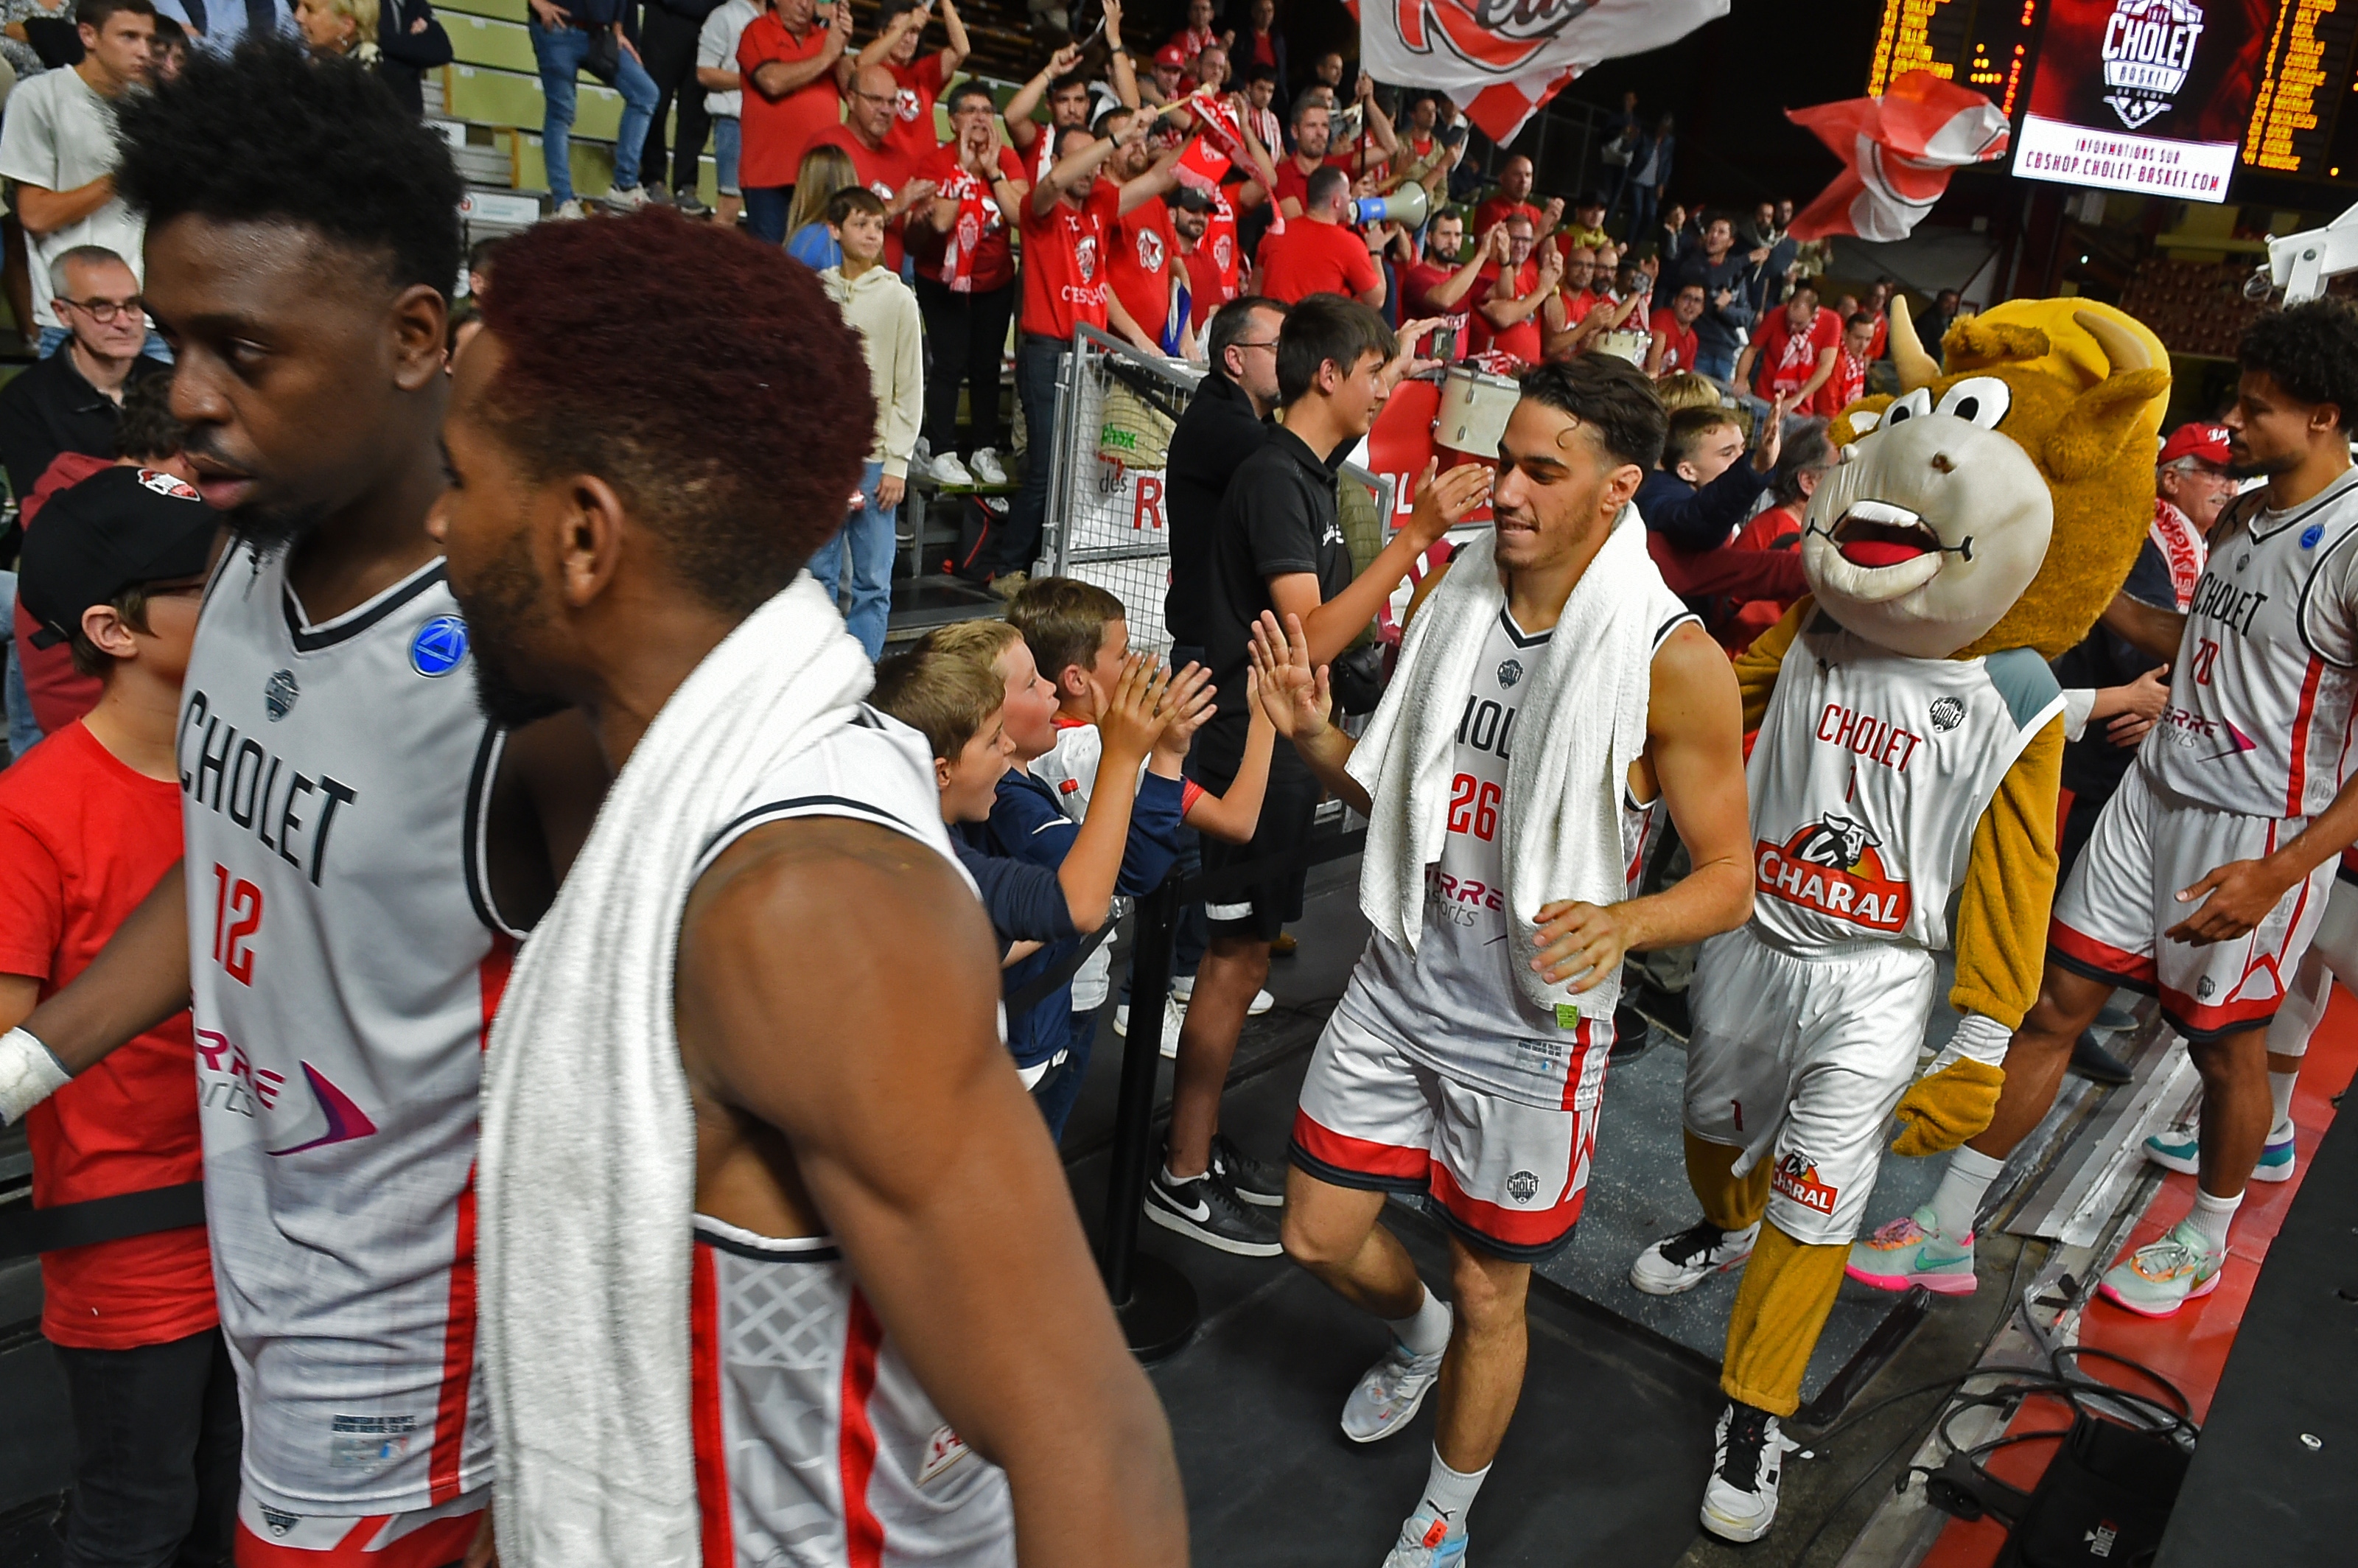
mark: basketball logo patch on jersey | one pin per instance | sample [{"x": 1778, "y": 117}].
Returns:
[
  {"x": 1511, "y": 671},
  {"x": 278, "y": 694},
  {"x": 439, "y": 646},
  {"x": 1834, "y": 867},
  {"x": 169, "y": 485},
  {"x": 943, "y": 1451},
  {"x": 1947, "y": 714}
]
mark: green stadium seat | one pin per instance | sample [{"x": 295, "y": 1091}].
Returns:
[
  {"x": 506, "y": 10},
  {"x": 484, "y": 41}
]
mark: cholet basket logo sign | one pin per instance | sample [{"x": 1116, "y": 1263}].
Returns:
[{"x": 2148, "y": 47}]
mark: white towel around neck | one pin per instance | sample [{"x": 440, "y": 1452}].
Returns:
[
  {"x": 1581, "y": 724},
  {"x": 588, "y": 1160}
]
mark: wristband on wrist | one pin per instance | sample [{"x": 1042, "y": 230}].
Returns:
[
  {"x": 29, "y": 1074},
  {"x": 1979, "y": 1036}
]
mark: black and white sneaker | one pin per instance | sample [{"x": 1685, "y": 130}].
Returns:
[
  {"x": 1255, "y": 1181},
  {"x": 1739, "y": 1501},
  {"x": 1204, "y": 1209},
  {"x": 1686, "y": 1260}
]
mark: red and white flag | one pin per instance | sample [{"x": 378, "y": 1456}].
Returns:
[
  {"x": 1900, "y": 149},
  {"x": 1501, "y": 59}
]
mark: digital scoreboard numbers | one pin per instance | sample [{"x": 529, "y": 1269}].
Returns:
[
  {"x": 1981, "y": 44},
  {"x": 2303, "y": 93}
]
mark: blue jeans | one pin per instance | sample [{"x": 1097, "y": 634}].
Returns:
[
  {"x": 560, "y": 55},
  {"x": 728, "y": 140},
  {"x": 1715, "y": 362},
  {"x": 1037, "y": 360},
  {"x": 765, "y": 211},
  {"x": 23, "y": 734},
  {"x": 54, "y": 338},
  {"x": 868, "y": 533}
]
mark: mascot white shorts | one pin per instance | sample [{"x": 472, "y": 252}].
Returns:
[
  {"x": 2123, "y": 894},
  {"x": 1799, "y": 1061},
  {"x": 1508, "y": 1177}
]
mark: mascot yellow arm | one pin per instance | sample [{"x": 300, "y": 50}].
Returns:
[
  {"x": 1757, "y": 667},
  {"x": 2001, "y": 943}
]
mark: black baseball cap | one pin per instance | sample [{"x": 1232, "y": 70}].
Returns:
[
  {"x": 1193, "y": 200},
  {"x": 119, "y": 527}
]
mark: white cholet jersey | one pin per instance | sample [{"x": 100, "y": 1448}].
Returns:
[
  {"x": 1870, "y": 772},
  {"x": 2261, "y": 696},
  {"x": 345, "y": 965}
]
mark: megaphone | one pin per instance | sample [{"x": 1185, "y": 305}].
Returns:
[{"x": 1407, "y": 207}]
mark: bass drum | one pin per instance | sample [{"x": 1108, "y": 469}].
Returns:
[
  {"x": 1624, "y": 345},
  {"x": 1475, "y": 408}
]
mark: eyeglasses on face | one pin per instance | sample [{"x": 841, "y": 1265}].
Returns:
[{"x": 104, "y": 311}]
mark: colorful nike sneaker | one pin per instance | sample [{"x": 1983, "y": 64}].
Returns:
[
  {"x": 1910, "y": 1251},
  {"x": 2161, "y": 1276},
  {"x": 1428, "y": 1540},
  {"x": 1387, "y": 1394},
  {"x": 2181, "y": 1151}
]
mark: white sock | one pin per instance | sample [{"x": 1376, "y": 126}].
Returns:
[
  {"x": 1424, "y": 1331},
  {"x": 1449, "y": 1493},
  {"x": 2280, "y": 1091},
  {"x": 1969, "y": 1174},
  {"x": 2210, "y": 1216}
]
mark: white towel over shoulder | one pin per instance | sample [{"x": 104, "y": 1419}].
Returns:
[
  {"x": 589, "y": 1144},
  {"x": 1582, "y": 725}
]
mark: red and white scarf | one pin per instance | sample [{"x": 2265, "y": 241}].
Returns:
[
  {"x": 2182, "y": 547},
  {"x": 977, "y": 215}
]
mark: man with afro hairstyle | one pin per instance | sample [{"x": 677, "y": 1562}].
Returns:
[
  {"x": 725, "y": 1112},
  {"x": 363, "y": 845}
]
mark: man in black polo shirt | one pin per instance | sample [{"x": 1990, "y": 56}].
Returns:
[
  {"x": 71, "y": 401},
  {"x": 1278, "y": 545},
  {"x": 1224, "y": 424}
]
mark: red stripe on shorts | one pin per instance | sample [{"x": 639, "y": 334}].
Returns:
[
  {"x": 432, "y": 1545},
  {"x": 1362, "y": 1156},
  {"x": 2098, "y": 955},
  {"x": 1514, "y": 1227},
  {"x": 710, "y": 1435},
  {"x": 863, "y": 1532}
]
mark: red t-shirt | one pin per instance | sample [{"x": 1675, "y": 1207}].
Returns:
[
  {"x": 993, "y": 264},
  {"x": 1291, "y": 181},
  {"x": 1678, "y": 342},
  {"x": 883, "y": 170},
  {"x": 1138, "y": 263},
  {"x": 82, "y": 839},
  {"x": 60, "y": 693},
  {"x": 1215, "y": 270},
  {"x": 921, "y": 83},
  {"x": 1521, "y": 340},
  {"x": 1498, "y": 209},
  {"x": 1311, "y": 257},
  {"x": 1787, "y": 358},
  {"x": 1417, "y": 302},
  {"x": 1845, "y": 386},
  {"x": 776, "y": 135},
  {"x": 1065, "y": 264}
]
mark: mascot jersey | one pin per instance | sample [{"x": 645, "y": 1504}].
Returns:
[{"x": 1869, "y": 776}]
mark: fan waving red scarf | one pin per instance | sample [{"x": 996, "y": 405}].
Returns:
[{"x": 1900, "y": 149}]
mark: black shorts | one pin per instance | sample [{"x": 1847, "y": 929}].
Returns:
[{"x": 1261, "y": 908}]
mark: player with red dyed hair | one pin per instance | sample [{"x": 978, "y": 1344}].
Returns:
[{"x": 887, "y": 1359}]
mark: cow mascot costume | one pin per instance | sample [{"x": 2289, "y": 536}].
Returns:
[{"x": 1910, "y": 750}]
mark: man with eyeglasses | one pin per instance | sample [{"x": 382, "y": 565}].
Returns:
[
  {"x": 57, "y": 148},
  {"x": 884, "y": 166},
  {"x": 71, "y": 401}
]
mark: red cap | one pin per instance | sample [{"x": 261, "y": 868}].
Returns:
[
  {"x": 2196, "y": 440},
  {"x": 1171, "y": 55}
]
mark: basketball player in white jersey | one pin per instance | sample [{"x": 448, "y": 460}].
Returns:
[
  {"x": 363, "y": 846},
  {"x": 1438, "y": 1072},
  {"x": 2210, "y": 869},
  {"x": 894, "y": 1360}
]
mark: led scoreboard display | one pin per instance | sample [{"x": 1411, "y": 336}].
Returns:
[
  {"x": 2303, "y": 93},
  {"x": 1981, "y": 44}
]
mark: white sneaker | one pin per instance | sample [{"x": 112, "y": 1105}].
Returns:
[
  {"x": 630, "y": 199},
  {"x": 1428, "y": 1540},
  {"x": 986, "y": 468},
  {"x": 947, "y": 469},
  {"x": 1183, "y": 989},
  {"x": 1386, "y": 1397},
  {"x": 1681, "y": 1262},
  {"x": 567, "y": 211},
  {"x": 1174, "y": 1014},
  {"x": 1739, "y": 1501}
]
